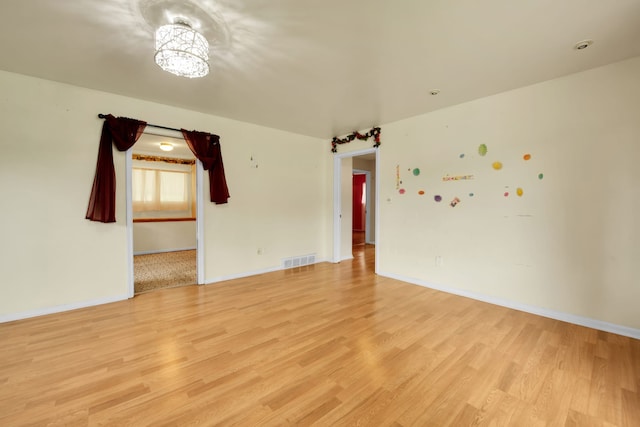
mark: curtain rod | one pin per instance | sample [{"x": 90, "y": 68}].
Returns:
[{"x": 102, "y": 116}]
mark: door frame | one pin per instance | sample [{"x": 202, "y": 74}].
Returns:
[
  {"x": 129, "y": 215},
  {"x": 337, "y": 201}
]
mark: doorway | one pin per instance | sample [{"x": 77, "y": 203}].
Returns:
[
  {"x": 344, "y": 165},
  {"x": 362, "y": 200},
  {"x": 165, "y": 248}
]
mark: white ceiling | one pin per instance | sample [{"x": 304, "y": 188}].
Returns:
[
  {"x": 320, "y": 68},
  {"x": 149, "y": 143}
]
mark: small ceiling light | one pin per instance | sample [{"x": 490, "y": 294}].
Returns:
[
  {"x": 182, "y": 51},
  {"x": 583, "y": 44},
  {"x": 434, "y": 92},
  {"x": 165, "y": 146}
]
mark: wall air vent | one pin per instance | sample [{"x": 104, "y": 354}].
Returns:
[{"x": 298, "y": 261}]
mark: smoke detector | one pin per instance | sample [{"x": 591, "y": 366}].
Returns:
[{"x": 581, "y": 45}]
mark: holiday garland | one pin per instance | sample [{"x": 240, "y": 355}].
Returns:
[
  {"x": 175, "y": 161},
  {"x": 374, "y": 132}
]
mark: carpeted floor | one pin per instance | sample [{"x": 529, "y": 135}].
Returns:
[{"x": 164, "y": 270}]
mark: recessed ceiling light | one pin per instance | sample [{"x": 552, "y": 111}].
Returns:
[
  {"x": 583, "y": 44},
  {"x": 165, "y": 146},
  {"x": 434, "y": 92}
]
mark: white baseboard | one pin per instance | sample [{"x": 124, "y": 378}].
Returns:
[
  {"x": 254, "y": 273},
  {"x": 540, "y": 311},
  {"x": 59, "y": 308},
  {"x": 161, "y": 251},
  {"x": 83, "y": 304}
]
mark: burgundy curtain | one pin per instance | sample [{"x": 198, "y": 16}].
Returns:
[
  {"x": 206, "y": 148},
  {"x": 124, "y": 132}
]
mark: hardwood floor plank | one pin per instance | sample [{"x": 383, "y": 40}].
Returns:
[
  {"x": 326, "y": 345},
  {"x": 577, "y": 419}
]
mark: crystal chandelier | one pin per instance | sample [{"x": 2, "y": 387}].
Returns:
[{"x": 182, "y": 51}]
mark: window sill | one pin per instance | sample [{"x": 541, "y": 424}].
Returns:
[{"x": 162, "y": 219}]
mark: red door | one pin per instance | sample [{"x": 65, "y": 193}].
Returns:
[{"x": 359, "y": 202}]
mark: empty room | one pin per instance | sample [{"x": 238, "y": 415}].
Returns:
[{"x": 251, "y": 213}]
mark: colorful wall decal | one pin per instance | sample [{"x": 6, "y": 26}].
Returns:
[
  {"x": 471, "y": 194},
  {"x": 497, "y": 165},
  {"x": 506, "y": 194},
  {"x": 402, "y": 191},
  {"x": 416, "y": 171},
  {"x": 454, "y": 202},
  {"x": 437, "y": 198},
  {"x": 482, "y": 149},
  {"x": 540, "y": 175},
  {"x": 397, "y": 177},
  {"x": 519, "y": 192},
  {"x": 527, "y": 156},
  {"x": 462, "y": 156},
  {"x": 457, "y": 177},
  {"x": 421, "y": 192}
]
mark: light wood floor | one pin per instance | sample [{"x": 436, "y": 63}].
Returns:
[{"x": 329, "y": 345}]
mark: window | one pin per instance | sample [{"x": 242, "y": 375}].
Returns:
[{"x": 162, "y": 191}]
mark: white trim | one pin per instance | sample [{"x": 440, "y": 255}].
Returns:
[
  {"x": 129, "y": 219},
  {"x": 161, "y": 251},
  {"x": 377, "y": 210},
  {"x": 337, "y": 204},
  {"x": 59, "y": 308},
  {"x": 255, "y": 272},
  {"x": 84, "y": 304},
  {"x": 337, "y": 208},
  {"x": 129, "y": 223},
  {"x": 199, "y": 224},
  {"x": 370, "y": 209},
  {"x": 163, "y": 132},
  {"x": 540, "y": 311}
]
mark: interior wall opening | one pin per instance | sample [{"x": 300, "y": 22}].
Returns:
[
  {"x": 353, "y": 237},
  {"x": 162, "y": 202}
]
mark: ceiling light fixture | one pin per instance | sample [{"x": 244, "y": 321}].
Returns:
[
  {"x": 181, "y": 50},
  {"x": 165, "y": 146}
]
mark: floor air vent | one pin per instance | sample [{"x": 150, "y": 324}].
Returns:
[{"x": 299, "y": 261}]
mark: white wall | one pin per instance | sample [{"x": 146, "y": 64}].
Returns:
[
  {"x": 52, "y": 258},
  {"x": 571, "y": 243},
  {"x": 163, "y": 236},
  {"x": 279, "y": 201}
]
